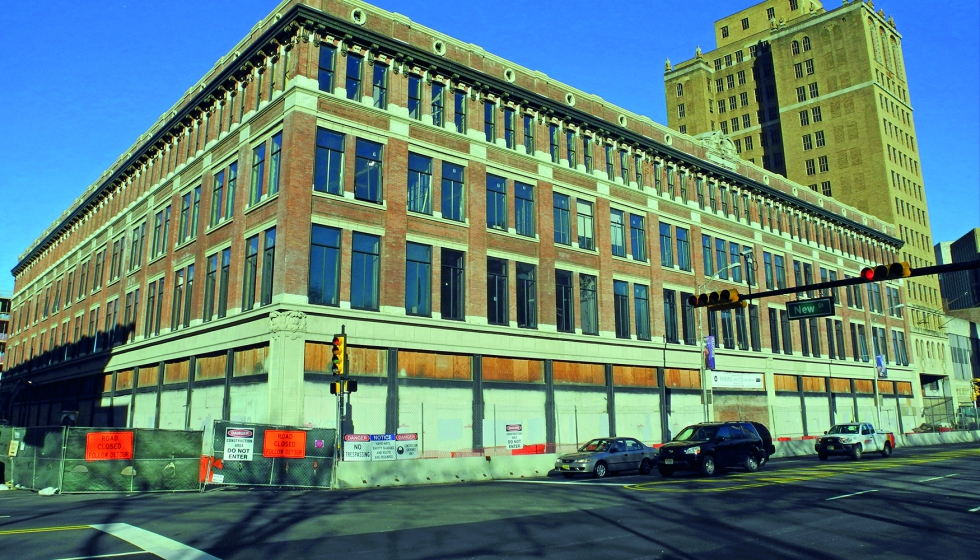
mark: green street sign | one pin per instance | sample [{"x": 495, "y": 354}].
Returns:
[{"x": 810, "y": 308}]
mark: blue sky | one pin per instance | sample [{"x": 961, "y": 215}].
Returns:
[{"x": 84, "y": 79}]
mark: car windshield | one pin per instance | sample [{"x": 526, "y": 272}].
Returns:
[
  {"x": 844, "y": 429},
  {"x": 596, "y": 445},
  {"x": 697, "y": 433}
]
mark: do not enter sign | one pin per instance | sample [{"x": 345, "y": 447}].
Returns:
[
  {"x": 284, "y": 444},
  {"x": 108, "y": 446}
]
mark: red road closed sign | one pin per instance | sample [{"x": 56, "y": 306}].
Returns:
[
  {"x": 108, "y": 446},
  {"x": 284, "y": 444}
]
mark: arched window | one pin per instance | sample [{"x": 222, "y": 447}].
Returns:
[
  {"x": 796, "y": 47},
  {"x": 884, "y": 47},
  {"x": 806, "y": 44},
  {"x": 874, "y": 41},
  {"x": 896, "y": 55}
]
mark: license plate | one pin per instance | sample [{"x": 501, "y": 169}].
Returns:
[
  {"x": 830, "y": 447},
  {"x": 565, "y": 467},
  {"x": 668, "y": 461}
]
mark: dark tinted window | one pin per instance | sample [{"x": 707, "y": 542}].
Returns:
[
  {"x": 724, "y": 432},
  {"x": 736, "y": 431}
]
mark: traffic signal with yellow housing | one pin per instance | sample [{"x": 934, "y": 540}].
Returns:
[
  {"x": 976, "y": 388},
  {"x": 886, "y": 272},
  {"x": 720, "y": 300},
  {"x": 338, "y": 359},
  {"x": 343, "y": 386}
]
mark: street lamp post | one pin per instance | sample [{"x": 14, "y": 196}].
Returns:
[{"x": 702, "y": 343}]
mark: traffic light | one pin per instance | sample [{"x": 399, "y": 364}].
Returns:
[
  {"x": 976, "y": 388},
  {"x": 344, "y": 386},
  {"x": 336, "y": 387},
  {"x": 338, "y": 360},
  {"x": 724, "y": 299},
  {"x": 886, "y": 272}
]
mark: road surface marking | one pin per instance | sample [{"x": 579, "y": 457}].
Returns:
[
  {"x": 4, "y": 516},
  {"x": 938, "y": 477},
  {"x": 849, "y": 495},
  {"x": 165, "y": 548},
  {"x": 974, "y": 509},
  {"x": 134, "y": 553},
  {"x": 44, "y": 530},
  {"x": 568, "y": 482}
]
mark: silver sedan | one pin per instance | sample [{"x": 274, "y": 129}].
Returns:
[{"x": 602, "y": 456}]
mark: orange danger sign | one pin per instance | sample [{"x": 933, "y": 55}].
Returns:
[
  {"x": 108, "y": 446},
  {"x": 284, "y": 444}
]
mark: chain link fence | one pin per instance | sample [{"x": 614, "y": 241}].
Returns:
[
  {"x": 247, "y": 454},
  {"x": 37, "y": 463}
]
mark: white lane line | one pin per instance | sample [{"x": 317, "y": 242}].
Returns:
[
  {"x": 106, "y": 555},
  {"x": 938, "y": 477},
  {"x": 567, "y": 483},
  {"x": 4, "y": 516},
  {"x": 849, "y": 495},
  {"x": 165, "y": 548},
  {"x": 974, "y": 509}
]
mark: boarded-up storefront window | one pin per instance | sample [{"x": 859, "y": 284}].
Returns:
[
  {"x": 634, "y": 376},
  {"x": 211, "y": 366},
  {"x": 840, "y": 385},
  {"x": 317, "y": 357},
  {"x": 251, "y": 361},
  {"x": 682, "y": 378},
  {"x": 886, "y": 387},
  {"x": 149, "y": 375},
  {"x": 815, "y": 384},
  {"x": 572, "y": 373},
  {"x": 107, "y": 383},
  {"x": 176, "y": 372},
  {"x": 904, "y": 387},
  {"x": 785, "y": 382},
  {"x": 124, "y": 380},
  {"x": 510, "y": 369},
  {"x": 433, "y": 366},
  {"x": 864, "y": 386},
  {"x": 360, "y": 361}
]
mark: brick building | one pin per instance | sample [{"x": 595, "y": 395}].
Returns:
[
  {"x": 498, "y": 246},
  {"x": 4, "y": 326},
  {"x": 821, "y": 97}
]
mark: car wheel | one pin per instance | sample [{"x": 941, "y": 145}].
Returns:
[
  {"x": 646, "y": 466},
  {"x": 856, "y": 452},
  {"x": 823, "y": 456},
  {"x": 666, "y": 472},
  {"x": 751, "y": 463},
  {"x": 762, "y": 461},
  {"x": 568, "y": 475},
  {"x": 601, "y": 470},
  {"x": 887, "y": 451},
  {"x": 708, "y": 465}
]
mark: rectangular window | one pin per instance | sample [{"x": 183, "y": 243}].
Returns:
[
  {"x": 814, "y": 91},
  {"x": 741, "y": 81},
  {"x": 638, "y": 238},
  {"x": 570, "y": 148},
  {"x": 365, "y": 269},
  {"x": 809, "y": 66},
  {"x": 380, "y": 83},
  {"x": 419, "y": 183},
  {"x": 564, "y": 305},
  {"x": 727, "y": 329},
  {"x": 452, "y": 291},
  {"x": 136, "y": 250},
  {"x": 496, "y": 202},
  {"x": 553, "y": 142},
  {"x": 367, "y": 171},
  {"x": 524, "y": 209},
  {"x": 610, "y": 170},
  {"x": 801, "y": 93},
  {"x": 617, "y": 220},
  {"x": 275, "y": 163},
  {"x": 666, "y": 246},
  {"x": 497, "y": 291},
  {"x": 354, "y": 63},
  {"x": 706, "y": 256},
  {"x": 641, "y": 310},
  {"x": 670, "y": 316},
  {"x": 210, "y": 286},
  {"x": 115, "y": 264},
  {"x": 621, "y": 306},
  {"x": 722, "y": 106},
  {"x": 588, "y": 304},
  {"x": 787, "y": 334},
  {"x": 268, "y": 266},
  {"x": 774, "y": 330},
  {"x": 735, "y": 257},
  {"x": 326, "y": 67},
  {"x": 798, "y": 68},
  {"x": 780, "y": 272},
  {"x": 251, "y": 272},
  {"x": 529, "y": 134},
  {"x": 810, "y": 167},
  {"x": 452, "y": 192},
  {"x": 823, "y": 165},
  {"x": 438, "y": 103},
  {"x": 807, "y": 142},
  {"x": 624, "y": 169},
  {"x": 418, "y": 278},
  {"x": 817, "y": 116},
  {"x": 687, "y": 319},
  {"x": 459, "y": 117},
  {"x": 586, "y": 237},
  {"x": 638, "y": 168},
  {"x": 527, "y": 296},
  {"x": 721, "y": 258},
  {"x": 510, "y": 128},
  {"x": 814, "y": 338},
  {"x": 258, "y": 174},
  {"x": 563, "y": 229},
  {"x": 131, "y": 317},
  {"x": 217, "y": 207},
  {"x": 587, "y": 148},
  {"x": 489, "y": 121},
  {"x": 415, "y": 97},
  {"x": 683, "y": 249},
  {"x": 190, "y": 203},
  {"x": 324, "y": 284}
]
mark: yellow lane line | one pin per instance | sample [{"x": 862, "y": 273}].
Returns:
[{"x": 45, "y": 529}]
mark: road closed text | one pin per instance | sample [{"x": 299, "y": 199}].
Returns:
[
  {"x": 108, "y": 446},
  {"x": 284, "y": 444}
]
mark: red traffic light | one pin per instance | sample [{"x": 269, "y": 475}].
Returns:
[
  {"x": 886, "y": 272},
  {"x": 868, "y": 274}
]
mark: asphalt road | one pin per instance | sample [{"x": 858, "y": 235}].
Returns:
[{"x": 920, "y": 503}]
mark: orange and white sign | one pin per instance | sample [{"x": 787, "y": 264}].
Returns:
[
  {"x": 284, "y": 444},
  {"x": 108, "y": 446}
]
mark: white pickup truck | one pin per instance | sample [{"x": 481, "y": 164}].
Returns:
[{"x": 854, "y": 439}]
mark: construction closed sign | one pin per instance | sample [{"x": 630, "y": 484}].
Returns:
[
  {"x": 108, "y": 446},
  {"x": 284, "y": 444}
]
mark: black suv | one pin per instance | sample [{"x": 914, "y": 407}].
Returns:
[{"x": 710, "y": 446}]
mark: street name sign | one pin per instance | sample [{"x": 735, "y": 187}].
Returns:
[{"x": 810, "y": 308}]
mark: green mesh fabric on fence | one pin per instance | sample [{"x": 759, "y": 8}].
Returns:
[
  {"x": 253, "y": 469},
  {"x": 38, "y": 461},
  {"x": 163, "y": 461}
]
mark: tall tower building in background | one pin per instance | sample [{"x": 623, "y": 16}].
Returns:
[
  {"x": 821, "y": 97},
  {"x": 961, "y": 290}
]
